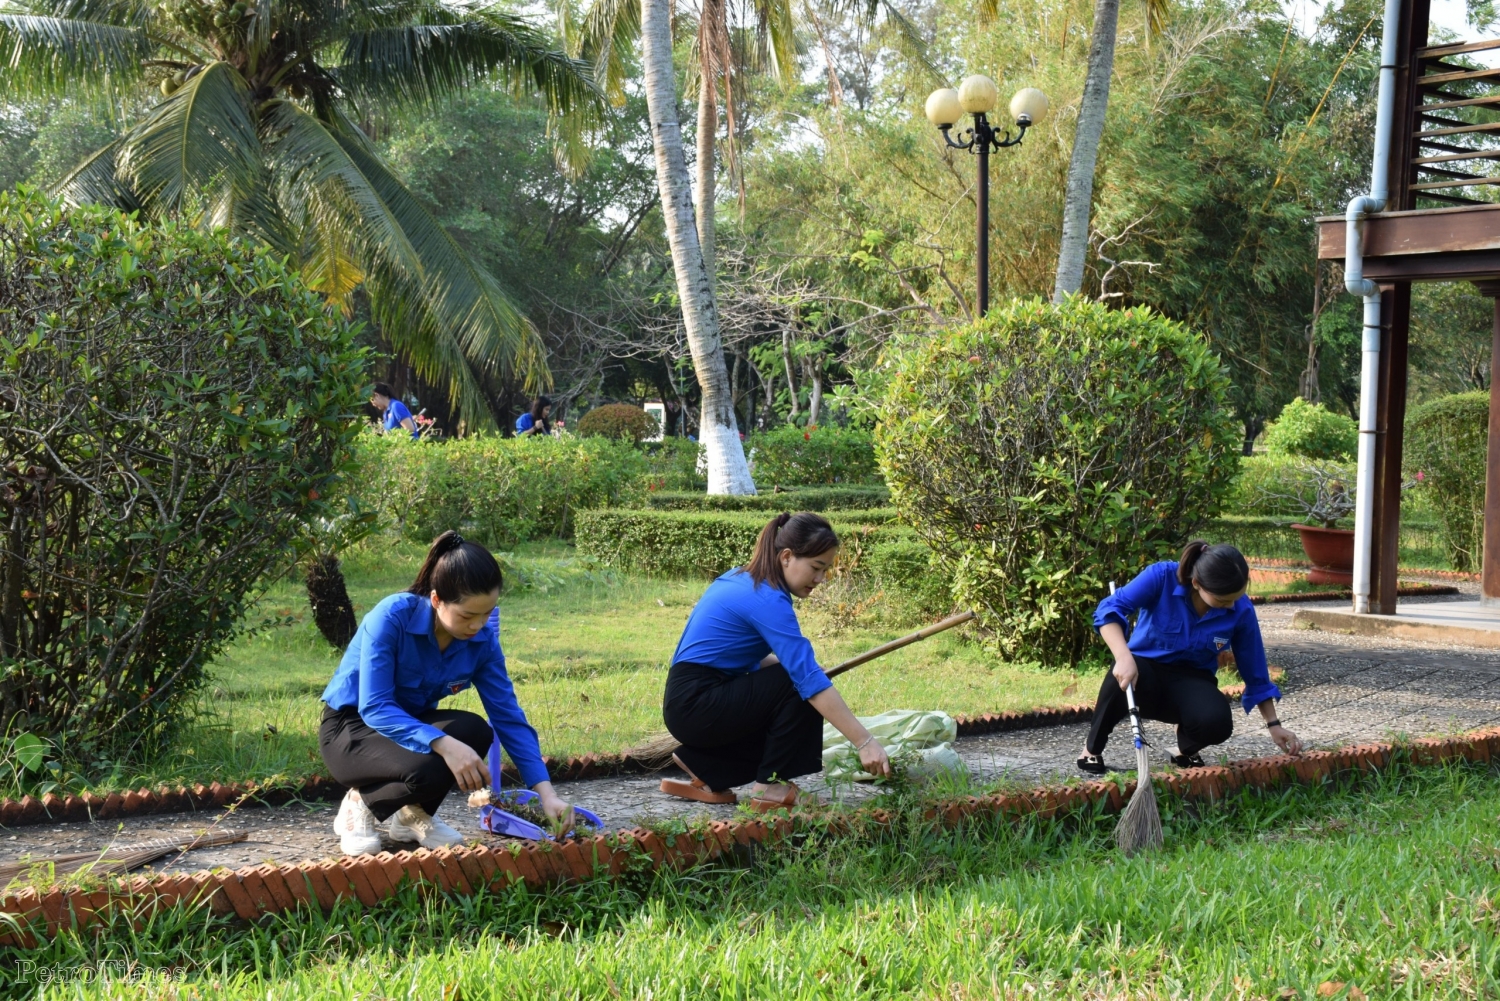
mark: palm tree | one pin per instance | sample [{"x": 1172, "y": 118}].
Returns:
[
  {"x": 1079, "y": 198},
  {"x": 728, "y": 472},
  {"x": 255, "y": 130}
]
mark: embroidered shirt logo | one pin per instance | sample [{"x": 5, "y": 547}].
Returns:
[{"x": 1221, "y": 642}]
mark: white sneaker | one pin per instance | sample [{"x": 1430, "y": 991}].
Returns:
[
  {"x": 412, "y": 823},
  {"x": 355, "y": 826}
]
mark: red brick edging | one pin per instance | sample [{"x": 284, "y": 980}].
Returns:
[
  {"x": 1271, "y": 561},
  {"x": 254, "y": 891}
]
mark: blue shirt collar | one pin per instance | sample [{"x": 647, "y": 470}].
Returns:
[{"x": 419, "y": 618}]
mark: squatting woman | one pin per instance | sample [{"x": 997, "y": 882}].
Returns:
[
  {"x": 1186, "y": 614},
  {"x": 745, "y": 695},
  {"x": 383, "y": 734}
]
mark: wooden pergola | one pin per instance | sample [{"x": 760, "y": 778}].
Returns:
[{"x": 1446, "y": 136}]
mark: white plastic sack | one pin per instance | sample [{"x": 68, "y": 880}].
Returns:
[{"x": 919, "y": 741}]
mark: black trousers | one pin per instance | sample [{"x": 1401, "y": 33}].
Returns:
[
  {"x": 1168, "y": 693},
  {"x": 387, "y": 775},
  {"x": 737, "y": 728}
]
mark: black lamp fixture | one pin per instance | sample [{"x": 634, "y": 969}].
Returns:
[{"x": 978, "y": 95}]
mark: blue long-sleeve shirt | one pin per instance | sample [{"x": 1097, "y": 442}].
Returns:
[
  {"x": 1168, "y": 628},
  {"x": 736, "y": 623},
  {"x": 393, "y": 670}
]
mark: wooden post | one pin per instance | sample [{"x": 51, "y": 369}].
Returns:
[
  {"x": 1490, "y": 571},
  {"x": 1390, "y": 420}
]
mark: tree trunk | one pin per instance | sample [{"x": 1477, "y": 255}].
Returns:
[
  {"x": 786, "y": 361},
  {"x": 333, "y": 612},
  {"x": 815, "y": 399},
  {"x": 1091, "y": 111},
  {"x": 708, "y": 131},
  {"x": 728, "y": 472}
]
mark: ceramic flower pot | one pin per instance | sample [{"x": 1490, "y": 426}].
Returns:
[{"x": 1331, "y": 553}]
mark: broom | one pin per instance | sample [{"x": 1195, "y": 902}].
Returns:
[
  {"x": 656, "y": 752},
  {"x": 1140, "y": 825},
  {"x": 121, "y": 858}
]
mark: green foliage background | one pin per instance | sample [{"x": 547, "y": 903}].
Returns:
[{"x": 1447, "y": 441}]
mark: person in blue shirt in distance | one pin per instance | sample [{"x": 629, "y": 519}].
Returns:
[
  {"x": 395, "y": 414},
  {"x": 1187, "y": 613},
  {"x": 382, "y": 733},
  {"x": 535, "y": 423},
  {"x": 745, "y": 696}
]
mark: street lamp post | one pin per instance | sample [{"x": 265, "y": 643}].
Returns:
[{"x": 977, "y": 95}]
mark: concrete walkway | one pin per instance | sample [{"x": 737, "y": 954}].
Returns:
[{"x": 1338, "y": 689}]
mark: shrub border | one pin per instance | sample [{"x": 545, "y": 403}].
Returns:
[{"x": 254, "y": 891}]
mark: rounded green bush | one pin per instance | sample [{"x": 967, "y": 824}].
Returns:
[
  {"x": 177, "y": 407},
  {"x": 1048, "y": 450},
  {"x": 1313, "y": 431},
  {"x": 618, "y": 420},
  {"x": 1447, "y": 443},
  {"x": 821, "y": 455}
]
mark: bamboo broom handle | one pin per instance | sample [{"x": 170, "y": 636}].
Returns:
[{"x": 897, "y": 644}]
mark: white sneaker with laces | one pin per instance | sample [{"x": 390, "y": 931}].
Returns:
[
  {"x": 356, "y": 826},
  {"x": 412, "y": 823}
]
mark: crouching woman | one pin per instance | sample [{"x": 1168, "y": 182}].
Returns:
[
  {"x": 382, "y": 733},
  {"x": 745, "y": 696},
  {"x": 1187, "y": 613}
]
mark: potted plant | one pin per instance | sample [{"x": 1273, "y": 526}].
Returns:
[{"x": 1320, "y": 493}]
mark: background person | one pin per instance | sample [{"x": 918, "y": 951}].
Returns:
[
  {"x": 382, "y": 734},
  {"x": 394, "y": 413},
  {"x": 1187, "y": 614},
  {"x": 535, "y": 422},
  {"x": 745, "y": 696}
]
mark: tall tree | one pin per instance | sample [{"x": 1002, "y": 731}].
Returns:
[
  {"x": 728, "y": 472},
  {"x": 256, "y": 131},
  {"x": 1092, "y": 108}
]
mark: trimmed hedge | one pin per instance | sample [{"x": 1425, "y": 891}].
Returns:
[
  {"x": 820, "y": 455},
  {"x": 908, "y": 567},
  {"x": 1312, "y": 431},
  {"x": 804, "y": 499},
  {"x": 696, "y": 543}
]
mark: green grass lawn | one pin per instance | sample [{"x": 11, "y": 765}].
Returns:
[
  {"x": 1388, "y": 887},
  {"x": 588, "y": 651}
]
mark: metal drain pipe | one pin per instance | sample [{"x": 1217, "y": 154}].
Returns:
[{"x": 1358, "y": 284}]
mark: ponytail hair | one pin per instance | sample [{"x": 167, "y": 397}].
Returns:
[
  {"x": 1217, "y": 569},
  {"x": 456, "y": 569},
  {"x": 805, "y": 534}
]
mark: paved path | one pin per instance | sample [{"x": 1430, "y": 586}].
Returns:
[{"x": 1338, "y": 690}]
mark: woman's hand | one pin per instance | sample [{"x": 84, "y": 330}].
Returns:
[
  {"x": 555, "y": 806},
  {"x": 1286, "y": 739},
  {"x": 874, "y": 759},
  {"x": 1125, "y": 671},
  {"x": 467, "y": 767}
]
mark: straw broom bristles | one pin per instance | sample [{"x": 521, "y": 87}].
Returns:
[
  {"x": 1140, "y": 825},
  {"x": 120, "y": 859}
]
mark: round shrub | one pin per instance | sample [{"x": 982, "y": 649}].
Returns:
[
  {"x": 1048, "y": 450},
  {"x": 174, "y": 408},
  {"x": 1312, "y": 431},
  {"x": 618, "y": 420},
  {"x": 1447, "y": 441},
  {"x": 822, "y": 455}
]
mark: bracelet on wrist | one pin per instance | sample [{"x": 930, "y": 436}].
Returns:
[
  {"x": 1273, "y": 722},
  {"x": 861, "y": 747}
]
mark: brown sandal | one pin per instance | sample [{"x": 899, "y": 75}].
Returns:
[{"x": 695, "y": 788}]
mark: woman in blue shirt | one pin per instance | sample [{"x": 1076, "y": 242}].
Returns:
[
  {"x": 382, "y": 733},
  {"x": 536, "y": 421},
  {"x": 1187, "y": 613},
  {"x": 394, "y": 413},
  {"x": 745, "y": 695}
]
